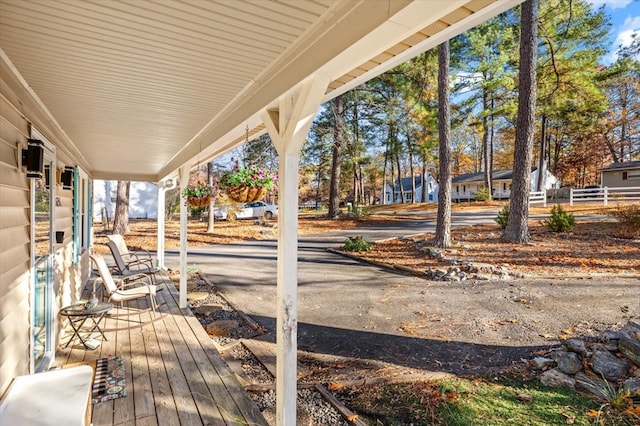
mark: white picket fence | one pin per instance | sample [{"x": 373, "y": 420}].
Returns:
[
  {"x": 604, "y": 194},
  {"x": 537, "y": 197}
]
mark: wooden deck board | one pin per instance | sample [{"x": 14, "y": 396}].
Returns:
[
  {"x": 103, "y": 412},
  {"x": 197, "y": 374},
  {"x": 230, "y": 396},
  {"x": 174, "y": 374},
  {"x": 123, "y": 408}
]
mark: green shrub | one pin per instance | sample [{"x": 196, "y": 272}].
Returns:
[
  {"x": 560, "y": 220},
  {"x": 629, "y": 218},
  {"x": 503, "y": 217},
  {"x": 482, "y": 194},
  {"x": 356, "y": 244},
  {"x": 359, "y": 211}
]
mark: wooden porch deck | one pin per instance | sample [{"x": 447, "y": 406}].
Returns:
[{"x": 174, "y": 374}]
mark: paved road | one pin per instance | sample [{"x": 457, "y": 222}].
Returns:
[{"x": 351, "y": 309}]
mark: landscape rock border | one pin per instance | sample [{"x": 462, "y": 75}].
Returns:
[
  {"x": 605, "y": 366},
  {"x": 456, "y": 271}
]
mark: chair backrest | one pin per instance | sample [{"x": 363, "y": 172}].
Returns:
[
  {"x": 118, "y": 240},
  {"x": 103, "y": 270},
  {"x": 117, "y": 256}
]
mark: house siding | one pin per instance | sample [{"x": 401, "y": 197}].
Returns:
[
  {"x": 614, "y": 178},
  {"x": 18, "y": 112},
  {"x": 14, "y": 246}
]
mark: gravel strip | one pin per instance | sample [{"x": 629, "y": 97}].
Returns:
[
  {"x": 313, "y": 410},
  {"x": 226, "y": 314},
  {"x": 250, "y": 365}
]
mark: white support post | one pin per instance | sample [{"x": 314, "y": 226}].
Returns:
[
  {"x": 288, "y": 125},
  {"x": 184, "y": 181},
  {"x": 161, "y": 226},
  {"x": 570, "y": 196},
  {"x": 606, "y": 196}
]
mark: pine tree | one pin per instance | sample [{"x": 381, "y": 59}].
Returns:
[{"x": 517, "y": 230}]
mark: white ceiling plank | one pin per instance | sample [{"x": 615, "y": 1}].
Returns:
[{"x": 185, "y": 77}]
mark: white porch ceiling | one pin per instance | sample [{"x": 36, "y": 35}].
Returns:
[{"x": 142, "y": 87}]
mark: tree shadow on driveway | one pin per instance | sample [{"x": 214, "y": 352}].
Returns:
[{"x": 460, "y": 358}]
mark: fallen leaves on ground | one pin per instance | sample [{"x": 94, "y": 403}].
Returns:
[{"x": 590, "y": 249}]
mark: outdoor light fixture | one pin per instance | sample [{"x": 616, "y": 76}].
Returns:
[
  {"x": 33, "y": 158},
  {"x": 67, "y": 178}
]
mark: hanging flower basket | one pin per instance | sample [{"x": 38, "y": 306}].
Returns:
[
  {"x": 246, "y": 194},
  {"x": 198, "y": 195},
  {"x": 198, "y": 201},
  {"x": 245, "y": 185}
]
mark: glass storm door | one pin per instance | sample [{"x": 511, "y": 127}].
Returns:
[{"x": 42, "y": 285}]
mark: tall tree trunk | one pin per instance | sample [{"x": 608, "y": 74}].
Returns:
[
  {"x": 424, "y": 190},
  {"x": 383, "y": 195},
  {"x": 121, "y": 216},
  {"x": 211, "y": 222},
  {"x": 542, "y": 163},
  {"x": 400, "y": 185},
  {"x": 338, "y": 135},
  {"x": 393, "y": 182},
  {"x": 486, "y": 148},
  {"x": 517, "y": 230},
  {"x": 443, "y": 220},
  {"x": 413, "y": 180}
]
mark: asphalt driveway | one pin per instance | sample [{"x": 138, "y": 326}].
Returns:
[{"x": 347, "y": 308}]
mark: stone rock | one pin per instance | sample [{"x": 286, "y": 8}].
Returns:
[
  {"x": 480, "y": 277},
  {"x": 576, "y": 345},
  {"x": 592, "y": 385},
  {"x": 632, "y": 386},
  {"x": 541, "y": 362},
  {"x": 481, "y": 267},
  {"x": 208, "y": 309},
  {"x": 221, "y": 327},
  {"x": 632, "y": 329},
  {"x": 557, "y": 378},
  {"x": 568, "y": 362},
  {"x": 630, "y": 348},
  {"x": 197, "y": 296},
  {"x": 608, "y": 365},
  {"x": 610, "y": 339}
]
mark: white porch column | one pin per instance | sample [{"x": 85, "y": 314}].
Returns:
[
  {"x": 184, "y": 181},
  {"x": 161, "y": 224},
  {"x": 288, "y": 125}
]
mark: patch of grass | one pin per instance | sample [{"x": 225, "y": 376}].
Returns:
[{"x": 512, "y": 401}]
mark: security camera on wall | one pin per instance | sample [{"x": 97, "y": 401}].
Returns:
[{"x": 33, "y": 158}]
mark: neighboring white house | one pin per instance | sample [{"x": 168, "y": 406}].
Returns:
[
  {"x": 143, "y": 200},
  {"x": 402, "y": 190},
  {"x": 617, "y": 175},
  {"x": 465, "y": 186}
]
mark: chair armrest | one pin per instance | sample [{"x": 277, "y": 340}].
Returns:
[
  {"x": 143, "y": 263},
  {"x": 144, "y": 254},
  {"x": 134, "y": 280}
]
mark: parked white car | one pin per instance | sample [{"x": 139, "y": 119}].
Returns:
[{"x": 246, "y": 211}]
